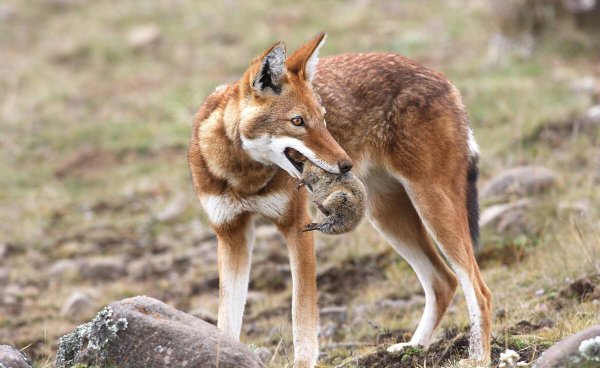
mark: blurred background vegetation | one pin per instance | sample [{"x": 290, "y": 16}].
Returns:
[{"x": 96, "y": 204}]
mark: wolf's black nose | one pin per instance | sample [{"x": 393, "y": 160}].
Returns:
[{"x": 345, "y": 166}]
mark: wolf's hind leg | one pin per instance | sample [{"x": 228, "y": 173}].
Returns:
[{"x": 392, "y": 213}]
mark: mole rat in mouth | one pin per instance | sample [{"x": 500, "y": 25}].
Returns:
[{"x": 340, "y": 197}]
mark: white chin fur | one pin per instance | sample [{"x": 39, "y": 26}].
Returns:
[{"x": 270, "y": 150}]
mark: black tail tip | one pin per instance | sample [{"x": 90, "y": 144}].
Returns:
[{"x": 473, "y": 201}]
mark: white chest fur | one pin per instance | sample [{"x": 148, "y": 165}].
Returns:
[{"x": 222, "y": 208}]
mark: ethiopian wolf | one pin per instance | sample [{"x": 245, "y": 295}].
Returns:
[{"x": 401, "y": 126}]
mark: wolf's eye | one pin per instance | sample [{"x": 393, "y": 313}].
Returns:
[{"x": 297, "y": 121}]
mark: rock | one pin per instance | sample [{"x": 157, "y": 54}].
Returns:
[
  {"x": 337, "y": 314},
  {"x": 11, "y": 298},
  {"x": 7, "y": 11},
  {"x": 268, "y": 234},
  {"x": 492, "y": 215},
  {"x": 139, "y": 269},
  {"x": 78, "y": 305},
  {"x": 593, "y": 114},
  {"x": 578, "y": 6},
  {"x": 586, "y": 85},
  {"x": 155, "y": 266},
  {"x": 205, "y": 315},
  {"x": 4, "y": 276},
  {"x": 519, "y": 181},
  {"x": 571, "y": 350},
  {"x": 328, "y": 330},
  {"x": 61, "y": 5},
  {"x": 144, "y": 332},
  {"x": 264, "y": 355},
  {"x": 199, "y": 231},
  {"x": 105, "y": 268},
  {"x": 581, "y": 207},
  {"x": 172, "y": 209},
  {"x": 13, "y": 358},
  {"x": 414, "y": 300},
  {"x": 64, "y": 269},
  {"x": 514, "y": 223},
  {"x": 143, "y": 36},
  {"x": 68, "y": 50}
]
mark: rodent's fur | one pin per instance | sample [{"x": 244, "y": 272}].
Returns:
[{"x": 340, "y": 197}]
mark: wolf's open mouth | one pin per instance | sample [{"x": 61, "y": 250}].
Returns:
[{"x": 297, "y": 164}]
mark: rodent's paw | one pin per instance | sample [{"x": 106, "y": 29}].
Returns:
[
  {"x": 311, "y": 227},
  {"x": 322, "y": 208}
]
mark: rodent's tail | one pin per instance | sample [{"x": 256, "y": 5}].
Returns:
[{"x": 472, "y": 200}]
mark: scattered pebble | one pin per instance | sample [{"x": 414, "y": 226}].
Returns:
[
  {"x": 143, "y": 36},
  {"x": 520, "y": 181},
  {"x": 78, "y": 305}
]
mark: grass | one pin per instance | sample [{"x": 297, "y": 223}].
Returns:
[{"x": 71, "y": 86}]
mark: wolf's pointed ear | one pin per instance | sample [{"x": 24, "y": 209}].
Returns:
[
  {"x": 269, "y": 70},
  {"x": 304, "y": 60}
]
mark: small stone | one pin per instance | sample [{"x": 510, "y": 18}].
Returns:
[
  {"x": 414, "y": 300},
  {"x": 578, "y": 6},
  {"x": 540, "y": 292},
  {"x": 586, "y": 85},
  {"x": 593, "y": 114},
  {"x": 264, "y": 355},
  {"x": 582, "y": 207},
  {"x": 199, "y": 231},
  {"x": 139, "y": 269},
  {"x": 175, "y": 207},
  {"x": 64, "y": 269},
  {"x": 520, "y": 181},
  {"x": 143, "y": 36},
  {"x": 79, "y": 304},
  {"x": 514, "y": 223},
  {"x": 13, "y": 358},
  {"x": 491, "y": 216},
  {"x": 268, "y": 234},
  {"x": 205, "y": 315},
  {"x": 106, "y": 268},
  {"x": 328, "y": 330},
  {"x": 4, "y": 276},
  {"x": 337, "y": 314},
  {"x": 7, "y": 11}
]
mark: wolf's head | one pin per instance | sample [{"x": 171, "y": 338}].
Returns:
[{"x": 280, "y": 110}]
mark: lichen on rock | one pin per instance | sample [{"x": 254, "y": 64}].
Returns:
[{"x": 96, "y": 333}]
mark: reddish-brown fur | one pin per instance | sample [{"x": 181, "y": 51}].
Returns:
[{"x": 405, "y": 128}]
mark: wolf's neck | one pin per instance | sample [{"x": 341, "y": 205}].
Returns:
[{"x": 222, "y": 149}]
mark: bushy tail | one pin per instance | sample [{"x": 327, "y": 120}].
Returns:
[{"x": 472, "y": 200}]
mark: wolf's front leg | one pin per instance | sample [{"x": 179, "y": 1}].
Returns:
[
  {"x": 234, "y": 250},
  {"x": 305, "y": 314}
]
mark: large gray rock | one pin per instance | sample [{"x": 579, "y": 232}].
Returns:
[
  {"x": 511, "y": 218},
  {"x": 570, "y": 352},
  {"x": 519, "y": 181},
  {"x": 144, "y": 332},
  {"x": 12, "y": 358}
]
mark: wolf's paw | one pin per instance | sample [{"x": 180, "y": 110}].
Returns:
[{"x": 397, "y": 348}]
